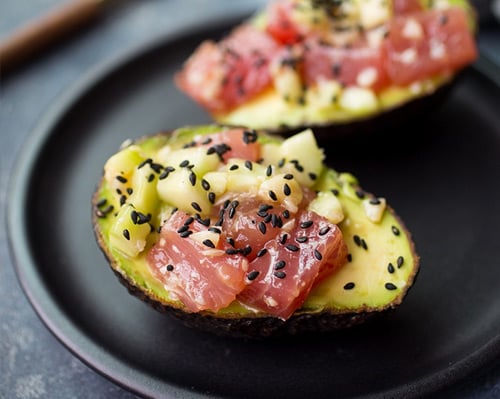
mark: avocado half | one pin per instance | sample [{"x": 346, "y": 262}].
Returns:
[
  {"x": 382, "y": 262},
  {"x": 332, "y": 109}
]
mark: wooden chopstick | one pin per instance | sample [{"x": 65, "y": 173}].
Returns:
[{"x": 30, "y": 39}]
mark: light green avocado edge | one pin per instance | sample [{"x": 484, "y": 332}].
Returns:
[{"x": 369, "y": 268}]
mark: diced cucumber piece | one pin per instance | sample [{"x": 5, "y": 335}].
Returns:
[
  {"x": 304, "y": 159},
  {"x": 327, "y": 205},
  {"x": 144, "y": 196},
  {"x": 128, "y": 234},
  {"x": 179, "y": 191},
  {"x": 120, "y": 166},
  {"x": 196, "y": 156}
]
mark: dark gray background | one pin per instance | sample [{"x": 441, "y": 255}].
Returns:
[{"x": 33, "y": 364}]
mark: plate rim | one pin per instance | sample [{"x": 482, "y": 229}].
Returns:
[{"x": 47, "y": 308}]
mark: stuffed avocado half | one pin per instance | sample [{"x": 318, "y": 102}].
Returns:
[
  {"x": 244, "y": 233},
  {"x": 301, "y": 63}
]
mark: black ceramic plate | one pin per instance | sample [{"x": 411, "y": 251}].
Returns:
[{"x": 444, "y": 185}]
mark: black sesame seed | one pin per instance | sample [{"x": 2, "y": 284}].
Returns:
[
  {"x": 261, "y": 252},
  {"x": 292, "y": 247},
  {"x": 349, "y": 257},
  {"x": 230, "y": 241},
  {"x": 144, "y": 163},
  {"x": 186, "y": 233},
  {"x": 262, "y": 213},
  {"x": 262, "y": 227},
  {"x": 281, "y": 162},
  {"x": 249, "y": 136},
  {"x": 324, "y": 230},
  {"x": 118, "y": 191},
  {"x": 231, "y": 212},
  {"x": 196, "y": 206},
  {"x": 283, "y": 238},
  {"x": 335, "y": 192},
  {"x": 226, "y": 204},
  {"x": 170, "y": 267},
  {"x": 357, "y": 240},
  {"x": 364, "y": 245},
  {"x": 276, "y": 221},
  {"x": 205, "y": 184},
  {"x": 192, "y": 178},
  {"x": 395, "y": 230},
  {"x": 374, "y": 201},
  {"x": 157, "y": 168},
  {"x": 252, "y": 275},
  {"x": 349, "y": 286},
  {"x": 269, "y": 170},
  {"x": 400, "y": 261},
  {"x": 208, "y": 243},
  {"x": 318, "y": 255},
  {"x": 279, "y": 265},
  {"x": 286, "y": 214},
  {"x": 272, "y": 195},
  {"x": 248, "y": 165},
  {"x": 130, "y": 190},
  {"x": 280, "y": 274},
  {"x": 390, "y": 286},
  {"x": 233, "y": 167},
  {"x": 208, "y": 140},
  {"x": 301, "y": 240},
  {"x": 183, "y": 228},
  {"x": 184, "y": 163},
  {"x": 189, "y": 220},
  {"x": 360, "y": 194},
  {"x": 123, "y": 199},
  {"x": 390, "y": 268},
  {"x": 211, "y": 197},
  {"x": 151, "y": 177},
  {"x": 246, "y": 251},
  {"x": 288, "y": 176},
  {"x": 268, "y": 218},
  {"x": 306, "y": 224},
  {"x": 313, "y": 176},
  {"x": 232, "y": 251},
  {"x": 134, "y": 216},
  {"x": 126, "y": 234},
  {"x": 102, "y": 202},
  {"x": 121, "y": 179},
  {"x": 286, "y": 189}
]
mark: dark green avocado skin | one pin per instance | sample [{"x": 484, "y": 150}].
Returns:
[{"x": 257, "y": 327}]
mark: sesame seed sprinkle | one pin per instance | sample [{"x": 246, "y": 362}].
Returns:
[
  {"x": 272, "y": 195},
  {"x": 395, "y": 230},
  {"x": 349, "y": 286},
  {"x": 301, "y": 240},
  {"x": 211, "y": 197},
  {"x": 400, "y": 262},
  {"x": 390, "y": 268},
  {"x": 186, "y": 233},
  {"x": 184, "y": 163},
  {"x": 324, "y": 230},
  {"x": 390, "y": 286},
  {"x": 192, "y": 178},
  {"x": 279, "y": 265},
  {"x": 288, "y": 176},
  {"x": 286, "y": 189},
  {"x": 196, "y": 206},
  {"x": 233, "y": 167},
  {"x": 232, "y": 251},
  {"x": 306, "y": 224},
  {"x": 318, "y": 255},
  {"x": 280, "y": 274},
  {"x": 249, "y": 136},
  {"x": 205, "y": 184},
  {"x": 208, "y": 243},
  {"x": 252, "y": 275},
  {"x": 292, "y": 247},
  {"x": 121, "y": 179},
  {"x": 248, "y": 165},
  {"x": 262, "y": 227},
  {"x": 261, "y": 252},
  {"x": 126, "y": 234},
  {"x": 170, "y": 267},
  {"x": 269, "y": 170}
]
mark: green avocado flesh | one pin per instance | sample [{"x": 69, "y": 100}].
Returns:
[{"x": 382, "y": 262}]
